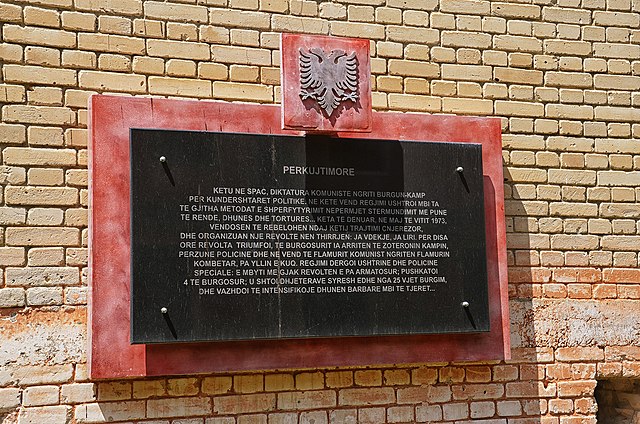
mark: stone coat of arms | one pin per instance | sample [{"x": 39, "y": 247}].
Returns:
[{"x": 329, "y": 79}]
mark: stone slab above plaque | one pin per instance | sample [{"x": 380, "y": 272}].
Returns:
[
  {"x": 326, "y": 83},
  {"x": 243, "y": 237}
]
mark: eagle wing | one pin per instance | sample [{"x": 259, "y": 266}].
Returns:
[
  {"x": 310, "y": 69},
  {"x": 348, "y": 77}
]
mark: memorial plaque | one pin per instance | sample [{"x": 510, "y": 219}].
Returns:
[{"x": 241, "y": 237}]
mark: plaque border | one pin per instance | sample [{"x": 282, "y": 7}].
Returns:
[{"x": 110, "y": 354}]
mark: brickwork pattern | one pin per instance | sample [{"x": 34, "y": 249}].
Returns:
[{"x": 564, "y": 75}]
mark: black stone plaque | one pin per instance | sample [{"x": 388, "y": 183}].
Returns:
[{"x": 240, "y": 237}]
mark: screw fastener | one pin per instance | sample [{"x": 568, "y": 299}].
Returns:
[
  {"x": 465, "y": 304},
  {"x": 163, "y": 159},
  {"x": 163, "y": 310},
  {"x": 459, "y": 169}
]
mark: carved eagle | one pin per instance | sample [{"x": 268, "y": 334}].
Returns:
[{"x": 330, "y": 79}]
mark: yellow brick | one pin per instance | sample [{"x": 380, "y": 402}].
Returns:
[
  {"x": 114, "y": 62},
  {"x": 76, "y": 98},
  {"x": 566, "y": 15},
  {"x": 178, "y": 49},
  {"x": 38, "y": 75},
  {"x": 214, "y": 71},
  {"x": 360, "y": 13},
  {"x": 387, "y": 15},
  {"x": 470, "y": 7},
  {"x": 410, "y": 35},
  {"x": 11, "y": 13},
  {"x": 177, "y": 12},
  {"x": 10, "y": 93},
  {"x": 148, "y": 65},
  {"x": 389, "y": 84},
  {"x": 182, "y": 31},
  {"x": 389, "y": 49},
  {"x": 610, "y": 113},
  {"x": 214, "y": 34},
  {"x": 370, "y": 31},
  {"x": 77, "y": 177},
  {"x": 270, "y": 76},
  {"x": 466, "y": 39},
  {"x": 442, "y": 21},
  {"x": 230, "y": 18},
  {"x": 38, "y": 115},
  {"x": 12, "y": 256},
  {"x": 111, "y": 43},
  {"x": 45, "y": 216},
  {"x": 39, "y": 36},
  {"x": 613, "y": 50},
  {"x": 12, "y": 216},
  {"x": 518, "y": 76},
  {"x": 627, "y": 20},
  {"x": 147, "y": 389},
  {"x": 10, "y": 53},
  {"x": 76, "y": 217},
  {"x": 45, "y": 176},
  {"x": 114, "y": 25},
  {"x": 518, "y": 11},
  {"x": 415, "y": 18},
  {"x": 244, "y": 37},
  {"x": 241, "y": 55},
  {"x": 109, "y": 81},
  {"x": 278, "y": 382},
  {"x": 511, "y": 108},
  {"x": 42, "y": 236},
  {"x": 467, "y": 106},
  {"x": 183, "y": 386},
  {"x": 568, "y": 79},
  {"x": 416, "y": 86},
  {"x": 41, "y": 17},
  {"x": 246, "y": 4},
  {"x": 217, "y": 385},
  {"x": 469, "y": 89},
  {"x": 179, "y": 87},
  {"x": 148, "y": 28},
  {"x": 124, "y": 7},
  {"x": 296, "y": 24},
  {"x": 12, "y": 134},
  {"x": 240, "y": 91},
  {"x": 181, "y": 68},
  {"x": 79, "y": 59},
  {"x": 276, "y": 6},
  {"x": 413, "y": 68},
  {"x": 31, "y": 156},
  {"x": 517, "y": 44},
  {"x": 443, "y": 88},
  {"x": 244, "y": 73},
  {"x": 42, "y": 56},
  {"x": 248, "y": 383},
  {"x": 466, "y": 72},
  {"x": 76, "y": 21},
  {"x": 566, "y": 47},
  {"x": 411, "y": 102}
]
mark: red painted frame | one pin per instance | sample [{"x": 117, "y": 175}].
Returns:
[{"x": 110, "y": 353}]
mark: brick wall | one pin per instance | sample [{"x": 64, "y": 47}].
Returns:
[{"x": 563, "y": 74}]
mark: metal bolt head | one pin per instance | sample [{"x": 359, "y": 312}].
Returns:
[
  {"x": 459, "y": 169},
  {"x": 163, "y": 159},
  {"x": 163, "y": 310},
  {"x": 465, "y": 304}
]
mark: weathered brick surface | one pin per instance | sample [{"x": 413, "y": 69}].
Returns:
[{"x": 564, "y": 77}]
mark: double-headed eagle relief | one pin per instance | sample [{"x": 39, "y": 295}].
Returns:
[{"x": 329, "y": 79}]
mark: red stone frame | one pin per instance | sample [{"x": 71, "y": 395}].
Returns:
[
  {"x": 111, "y": 354},
  {"x": 307, "y": 115}
]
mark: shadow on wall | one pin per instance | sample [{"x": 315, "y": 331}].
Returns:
[
  {"x": 555, "y": 321},
  {"x": 524, "y": 283}
]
